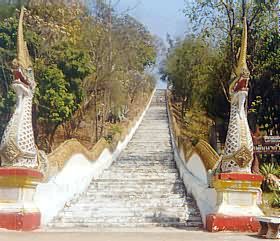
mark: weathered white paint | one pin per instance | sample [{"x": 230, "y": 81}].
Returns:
[
  {"x": 17, "y": 200},
  {"x": 197, "y": 168},
  {"x": 205, "y": 197},
  {"x": 75, "y": 178},
  {"x": 238, "y": 201},
  {"x": 195, "y": 179}
]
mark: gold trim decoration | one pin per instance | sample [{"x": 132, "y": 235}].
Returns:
[
  {"x": 242, "y": 64},
  {"x": 23, "y": 58},
  {"x": 208, "y": 155},
  {"x": 233, "y": 184},
  {"x": 10, "y": 151},
  {"x": 19, "y": 181},
  {"x": 241, "y": 69},
  {"x": 242, "y": 157}
]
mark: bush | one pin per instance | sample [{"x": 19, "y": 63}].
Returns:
[
  {"x": 276, "y": 199},
  {"x": 270, "y": 168},
  {"x": 270, "y": 171}
]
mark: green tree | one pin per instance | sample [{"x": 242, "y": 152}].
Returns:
[
  {"x": 219, "y": 22},
  {"x": 82, "y": 58},
  {"x": 8, "y": 29},
  {"x": 55, "y": 103},
  {"x": 189, "y": 69}
]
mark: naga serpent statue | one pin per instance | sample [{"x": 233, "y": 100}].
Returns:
[
  {"x": 238, "y": 153},
  {"x": 18, "y": 148}
]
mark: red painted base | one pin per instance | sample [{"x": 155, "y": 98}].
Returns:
[
  {"x": 20, "y": 221},
  {"x": 20, "y": 171},
  {"x": 219, "y": 222},
  {"x": 239, "y": 176}
]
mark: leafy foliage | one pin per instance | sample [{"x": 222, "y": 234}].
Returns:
[
  {"x": 219, "y": 25},
  {"x": 276, "y": 200},
  {"x": 82, "y": 57},
  {"x": 270, "y": 168},
  {"x": 55, "y": 102},
  {"x": 266, "y": 84},
  {"x": 192, "y": 71}
]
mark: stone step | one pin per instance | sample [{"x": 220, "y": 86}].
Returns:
[
  {"x": 145, "y": 150},
  {"x": 161, "y": 130},
  {"x": 125, "y": 224},
  {"x": 159, "y": 153},
  {"x": 131, "y": 169},
  {"x": 160, "y": 122},
  {"x": 104, "y": 213},
  {"x": 155, "y": 134},
  {"x": 134, "y": 191},
  {"x": 160, "y": 182},
  {"x": 151, "y": 130},
  {"x": 138, "y": 158},
  {"x": 160, "y": 140},
  {"x": 137, "y": 202},
  {"x": 140, "y": 175},
  {"x": 155, "y": 125},
  {"x": 129, "y": 221},
  {"x": 146, "y": 156},
  {"x": 130, "y": 188},
  {"x": 149, "y": 141},
  {"x": 130, "y": 218},
  {"x": 148, "y": 149},
  {"x": 143, "y": 164},
  {"x": 147, "y": 127},
  {"x": 138, "y": 140},
  {"x": 160, "y": 144},
  {"x": 142, "y": 188},
  {"x": 124, "y": 219},
  {"x": 140, "y": 163},
  {"x": 132, "y": 177},
  {"x": 143, "y": 136},
  {"x": 130, "y": 195}
]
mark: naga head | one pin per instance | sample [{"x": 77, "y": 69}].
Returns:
[
  {"x": 241, "y": 74},
  {"x": 24, "y": 81}
]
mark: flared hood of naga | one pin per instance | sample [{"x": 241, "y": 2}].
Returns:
[
  {"x": 24, "y": 82},
  {"x": 238, "y": 154}
]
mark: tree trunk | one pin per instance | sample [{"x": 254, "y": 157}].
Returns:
[
  {"x": 103, "y": 113},
  {"x": 243, "y": 8},
  {"x": 51, "y": 139},
  {"x": 96, "y": 117}
]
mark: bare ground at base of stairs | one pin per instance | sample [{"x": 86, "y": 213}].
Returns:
[{"x": 153, "y": 234}]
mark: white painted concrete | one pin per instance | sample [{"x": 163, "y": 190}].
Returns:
[
  {"x": 75, "y": 177},
  {"x": 205, "y": 197},
  {"x": 194, "y": 176},
  {"x": 197, "y": 168},
  {"x": 238, "y": 202}
]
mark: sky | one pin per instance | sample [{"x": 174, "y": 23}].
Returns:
[{"x": 161, "y": 17}]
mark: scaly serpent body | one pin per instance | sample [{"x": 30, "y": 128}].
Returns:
[{"x": 238, "y": 154}]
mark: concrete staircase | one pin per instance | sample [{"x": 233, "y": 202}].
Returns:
[{"x": 142, "y": 188}]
